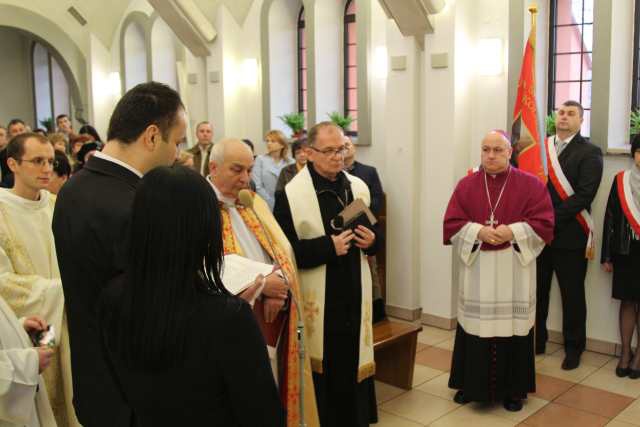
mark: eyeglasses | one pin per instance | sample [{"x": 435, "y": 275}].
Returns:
[
  {"x": 40, "y": 161},
  {"x": 330, "y": 152}
]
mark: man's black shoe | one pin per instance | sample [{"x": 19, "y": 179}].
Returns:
[
  {"x": 571, "y": 361},
  {"x": 460, "y": 398},
  {"x": 541, "y": 349},
  {"x": 513, "y": 405}
]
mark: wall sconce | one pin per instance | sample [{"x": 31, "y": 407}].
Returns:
[
  {"x": 248, "y": 72},
  {"x": 489, "y": 57},
  {"x": 380, "y": 63}
]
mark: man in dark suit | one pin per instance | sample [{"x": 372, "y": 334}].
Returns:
[
  {"x": 581, "y": 163},
  {"x": 202, "y": 150},
  {"x": 91, "y": 227},
  {"x": 367, "y": 173}
]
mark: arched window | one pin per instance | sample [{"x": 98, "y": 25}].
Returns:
[
  {"x": 163, "y": 52},
  {"x": 635, "y": 97},
  {"x": 351, "y": 66},
  {"x": 50, "y": 87},
  {"x": 302, "y": 65},
  {"x": 570, "y": 56},
  {"x": 135, "y": 56}
]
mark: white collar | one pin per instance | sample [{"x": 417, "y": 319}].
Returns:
[
  {"x": 8, "y": 196},
  {"x": 103, "y": 156}
]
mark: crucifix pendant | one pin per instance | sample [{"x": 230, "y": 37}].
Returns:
[{"x": 492, "y": 222}]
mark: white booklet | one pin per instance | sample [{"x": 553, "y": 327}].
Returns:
[{"x": 238, "y": 272}]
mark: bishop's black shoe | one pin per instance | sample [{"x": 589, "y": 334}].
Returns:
[
  {"x": 513, "y": 405},
  {"x": 460, "y": 398},
  {"x": 571, "y": 361}
]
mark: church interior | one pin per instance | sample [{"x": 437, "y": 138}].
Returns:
[{"x": 424, "y": 81}]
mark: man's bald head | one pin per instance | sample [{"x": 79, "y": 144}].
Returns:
[
  {"x": 496, "y": 152},
  {"x": 230, "y": 166}
]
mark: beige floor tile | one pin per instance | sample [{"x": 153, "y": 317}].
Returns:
[
  {"x": 386, "y": 419},
  {"x": 631, "y": 414},
  {"x": 468, "y": 416},
  {"x": 552, "y": 348},
  {"x": 551, "y": 365},
  {"x": 439, "y": 386},
  {"x": 447, "y": 345},
  {"x": 554, "y": 415},
  {"x": 436, "y": 358},
  {"x": 616, "y": 423},
  {"x": 548, "y": 388},
  {"x": 605, "y": 379},
  {"x": 590, "y": 358},
  {"x": 386, "y": 392},
  {"x": 422, "y": 374},
  {"x": 530, "y": 407},
  {"x": 433, "y": 336},
  {"x": 419, "y": 407}
]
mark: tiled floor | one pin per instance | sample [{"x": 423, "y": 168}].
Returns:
[{"x": 589, "y": 396}]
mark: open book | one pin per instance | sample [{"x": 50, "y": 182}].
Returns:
[{"x": 238, "y": 272}]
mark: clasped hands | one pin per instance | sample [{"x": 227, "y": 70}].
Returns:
[
  {"x": 34, "y": 324},
  {"x": 275, "y": 293},
  {"x": 495, "y": 236},
  {"x": 363, "y": 237}
]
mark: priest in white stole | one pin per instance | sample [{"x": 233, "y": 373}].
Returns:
[
  {"x": 335, "y": 279},
  {"x": 23, "y": 395},
  {"x": 498, "y": 221},
  {"x": 29, "y": 276},
  {"x": 257, "y": 238}
]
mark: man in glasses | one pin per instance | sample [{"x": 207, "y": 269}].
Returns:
[
  {"x": 335, "y": 279},
  {"x": 29, "y": 276}
]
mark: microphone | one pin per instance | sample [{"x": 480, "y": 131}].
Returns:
[{"x": 245, "y": 197}]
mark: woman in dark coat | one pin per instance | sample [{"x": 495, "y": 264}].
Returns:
[{"x": 621, "y": 256}]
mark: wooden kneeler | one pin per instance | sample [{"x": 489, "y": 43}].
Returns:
[{"x": 394, "y": 347}]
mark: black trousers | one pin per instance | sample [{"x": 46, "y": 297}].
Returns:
[{"x": 570, "y": 266}]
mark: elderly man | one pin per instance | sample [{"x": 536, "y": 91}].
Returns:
[
  {"x": 335, "y": 279},
  {"x": 261, "y": 239},
  {"x": 202, "y": 150},
  {"x": 29, "y": 276},
  {"x": 498, "y": 221}
]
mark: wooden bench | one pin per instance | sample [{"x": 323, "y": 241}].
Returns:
[{"x": 394, "y": 347}]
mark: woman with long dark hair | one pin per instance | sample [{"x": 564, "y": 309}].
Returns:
[{"x": 184, "y": 351}]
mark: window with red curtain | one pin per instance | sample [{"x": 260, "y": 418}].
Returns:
[
  {"x": 351, "y": 66},
  {"x": 571, "y": 55},
  {"x": 302, "y": 65}
]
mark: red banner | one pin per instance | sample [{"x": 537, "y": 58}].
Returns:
[{"x": 524, "y": 130}]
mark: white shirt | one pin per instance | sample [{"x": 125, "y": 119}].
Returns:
[
  {"x": 245, "y": 238},
  {"x": 103, "y": 156},
  {"x": 562, "y": 144}
]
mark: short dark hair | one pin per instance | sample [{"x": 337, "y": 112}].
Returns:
[
  {"x": 635, "y": 144},
  {"x": 249, "y": 144},
  {"x": 144, "y": 105},
  {"x": 61, "y": 116},
  {"x": 298, "y": 145},
  {"x": 175, "y": 259},
  {"x": 313, "y": 132},
  {"x": 15, "y": 122},
  {"x": 90, "y": 130},
  {"x": 15, "y": 148},
  {"x": 572, "y": 103},
  {"x": 61, "y": 166}
]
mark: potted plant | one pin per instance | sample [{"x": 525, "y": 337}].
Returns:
[
  {"x": 295, "y": 122},
  {"x": 634, "y": 120},
  {"x": 550, "y": 124},
  {"x": 343, "y": 121},
  {"x": 48, "y": 124}
]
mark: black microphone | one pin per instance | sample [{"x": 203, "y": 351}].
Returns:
[{"x": 245, "y": 197}]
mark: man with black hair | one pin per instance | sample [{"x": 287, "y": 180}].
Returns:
[
  {"x": 91, "y": 229},
  {"x": 64, "y": 126},
  {"x": 14, "y": 128},
  {"x": 575, "y": 171},
  {"x": 61, "y": 172}
]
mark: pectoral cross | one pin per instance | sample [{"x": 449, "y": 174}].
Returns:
[{"x": 492, "y": 222}]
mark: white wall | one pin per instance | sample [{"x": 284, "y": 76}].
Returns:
[
  {"x": 105, "y": 85},
  {"x": 283, "y": 60},
  {"x": 135, "y": 56}
]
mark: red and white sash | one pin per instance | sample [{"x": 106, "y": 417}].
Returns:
[
  {"x": 473, "y": 170},
  {"x": 627, "y": 203},
  {"x": 564, "y": 189}
]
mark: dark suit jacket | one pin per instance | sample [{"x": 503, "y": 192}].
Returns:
[
  {"x": 7, "y": 175},
  {"x": 581, "y": 162},
  {"x": 197, "y": 158},
  {"x": 225, "y": 379},
  {"x": 369, "y": 175},
  {"x": 91, "y": 226}
]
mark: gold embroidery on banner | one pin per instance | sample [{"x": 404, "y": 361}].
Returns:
[{"x": 366, "y": 371}]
